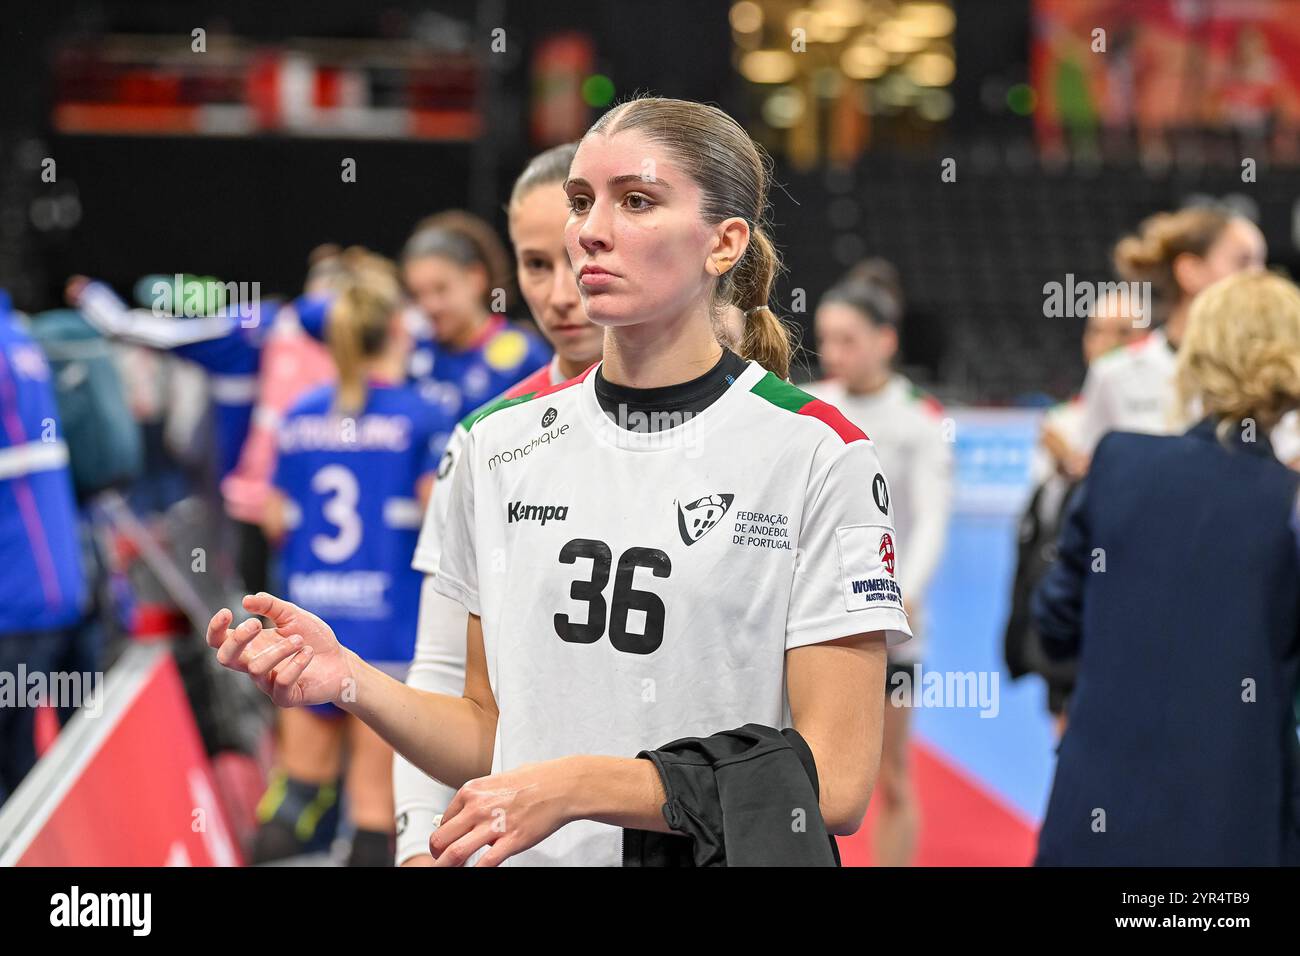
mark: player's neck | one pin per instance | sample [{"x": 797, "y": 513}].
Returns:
[
  {"x": 870, "y": 384},
  {"x": 467, "y": 335},
  {"x": 388, "y": 369},
  {"x": 570, "y": 369},
  {"x": 655, "y": 354},
  {"x": 1176, "y": 324}
]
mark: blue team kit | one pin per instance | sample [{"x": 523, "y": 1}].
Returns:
[{"x": 351, "y": 482}]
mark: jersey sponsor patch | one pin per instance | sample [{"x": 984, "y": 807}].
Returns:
[
  {"x": 867, "y": 562},
  {"x": 507, "y": 455}
]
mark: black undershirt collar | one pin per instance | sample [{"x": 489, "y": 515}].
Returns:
[{"x": 654, "y": 409}]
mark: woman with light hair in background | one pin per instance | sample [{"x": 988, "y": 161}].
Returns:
[{"x": 1178, "y": 587}]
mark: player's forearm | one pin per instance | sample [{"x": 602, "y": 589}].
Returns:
[
  {"x": 450, "y": 738},
  {"x": 845, "y": 782},
  {"x": 620, "y": 791}
]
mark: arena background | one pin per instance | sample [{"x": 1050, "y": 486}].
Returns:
[{"x": 230, "y": 166}]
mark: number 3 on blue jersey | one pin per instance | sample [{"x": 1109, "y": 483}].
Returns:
[{"x": 340, "y": 510}]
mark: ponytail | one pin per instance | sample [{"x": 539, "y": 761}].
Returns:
[
  {"x": 358, "y": 324},
  {"x": 765, "y": 339}
]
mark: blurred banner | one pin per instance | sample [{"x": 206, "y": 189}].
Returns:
[
  {"x": 559, "y": 113},
  {"x": 229, "y": 86},
  {"x": 993, "y": 452},
  {"x": 1166, "y": 64},
  {"x": 127, "y": 783}
]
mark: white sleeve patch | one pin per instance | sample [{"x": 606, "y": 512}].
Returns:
[{"x": 867, "y": 566}]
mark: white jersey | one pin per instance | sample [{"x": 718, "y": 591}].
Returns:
[
  {"x": 439, "y": 663},
  {"x": 906, "y": 426},
  {"x": 639, "y": 587},
  {"x": 1132, "y": 389}
]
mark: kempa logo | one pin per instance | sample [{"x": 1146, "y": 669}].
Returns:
[
  {"x": 880, "y": 492},
  {"x": 103, "y": 909},
  {"x": 511, "y": 454},
  {"x": 444, "y": 466},
  {"x": 518, "y": 511}
]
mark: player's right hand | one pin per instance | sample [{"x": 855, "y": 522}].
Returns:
[{"x": 298, "y": 661}]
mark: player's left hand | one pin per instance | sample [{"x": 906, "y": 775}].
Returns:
[{"x": 505, "y": 812}]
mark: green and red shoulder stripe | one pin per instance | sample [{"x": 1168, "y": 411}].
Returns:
[
  {"x": 508, "y": 399},
  {"x": 927, "y": 401},
  {"x": 784, "y": 395}
]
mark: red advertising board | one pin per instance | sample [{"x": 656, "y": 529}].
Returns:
[{"x": 129, "y": 787}]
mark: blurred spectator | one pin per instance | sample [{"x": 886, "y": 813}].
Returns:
[
  {"x": 1057, "y": 465},
  {"x": 42, "y": 587},
  {"x": 1178, "y": 587}
]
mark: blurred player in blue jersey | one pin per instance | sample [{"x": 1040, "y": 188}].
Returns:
[
  {"x": 457, "y": 271},
  {"x": 464, "y": 350},
  {"x": 356, "y": 463},
  {"x": 42, "y": 587}
]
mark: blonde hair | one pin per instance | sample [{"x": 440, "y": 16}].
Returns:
[
  {"x": 733, "y": 175},
  {"x": 369, "y": 295},
  {"x": 1240, "y": 354},
  {"x": 1148, "y": 254}
]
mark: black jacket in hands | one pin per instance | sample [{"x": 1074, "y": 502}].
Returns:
[{"x": 743, "y": 797}]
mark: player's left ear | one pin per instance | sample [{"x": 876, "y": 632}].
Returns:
[{"x": 730, "y": 240}]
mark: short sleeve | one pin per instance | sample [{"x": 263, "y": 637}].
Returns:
[
  {"x": 457, "y": 571},
  {"x": 844, "y": 581},
  {"x": 435, "y": 515}
]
